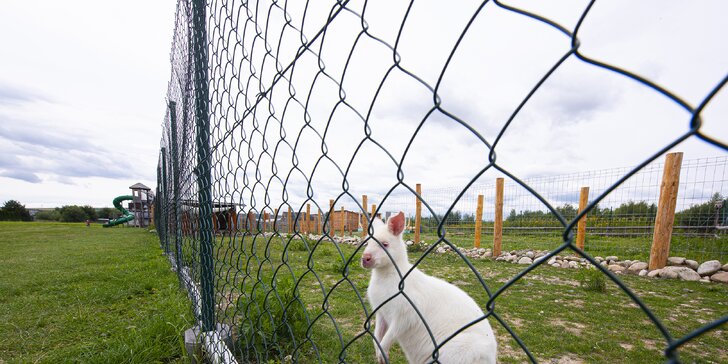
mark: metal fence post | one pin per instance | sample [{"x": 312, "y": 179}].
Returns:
[
  {"x": 202, "y": 126},
  {"x": 175, "y": 183},
  {"x": 164, "y": 203}
]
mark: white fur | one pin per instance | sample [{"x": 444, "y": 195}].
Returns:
[{"x": 445, "y": 308}]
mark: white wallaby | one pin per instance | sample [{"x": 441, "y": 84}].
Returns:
[{"x": 444, "y": 307}]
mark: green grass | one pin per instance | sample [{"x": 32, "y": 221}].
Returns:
[
  {"x": 69, "y": 293},
  {"x": 558, "y": 317}
]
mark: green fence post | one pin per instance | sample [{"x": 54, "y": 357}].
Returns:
[
  {"x": 175, "y": 183},
  {"x": 202, "y": 126},
  {"x": 164, "y": 201}
]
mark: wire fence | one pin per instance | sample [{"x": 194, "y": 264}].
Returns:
[{"x": 275, "y": 130}]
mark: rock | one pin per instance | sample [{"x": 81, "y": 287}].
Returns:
[
  {"x": 616, "y": 268},
  {"x": 525, "y": 260},
  {"x": 705, "y": 280},
  {"x": 564, "y": 264},
  {"x": 551, "y": 261},
  {"x": 643, "y": 273},
  {"x": 654, "y": 273},
  {"x": 636, "y": 267},
  {"x": 599, "y": 259},
  {"x": 691, "y": 264},
  {"x": 573, "y": 264},
  {"x": 709, "y": 267},
  {"x": 604, "y": 263},
  {"x": 611, "y": 257},
  {"x": 556, "y": 265},
  {"x": 725, "y": 267},
  {"x": 675, "y": 261},
  {"x": 529, "y": 254},
  {"x": 488, "y": 253},
  {"x": 721, "y": 277},
  {"x": 683, "y": 273},
  {"x": 481, "y": 251},
  {"x": 625, "y": 263}
]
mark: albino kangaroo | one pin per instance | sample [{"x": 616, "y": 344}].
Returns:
[{"x": 444, "y": 307}]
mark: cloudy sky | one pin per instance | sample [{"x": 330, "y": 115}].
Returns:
[{"x": 83, "y": 86}]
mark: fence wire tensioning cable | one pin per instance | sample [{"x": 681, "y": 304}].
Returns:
[{"x": 250, "y": 177}]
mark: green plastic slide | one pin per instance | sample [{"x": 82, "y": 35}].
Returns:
[{"x": 128, "y": 216}]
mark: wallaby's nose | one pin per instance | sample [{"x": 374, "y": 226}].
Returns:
[{"x": 366, "y": 260}]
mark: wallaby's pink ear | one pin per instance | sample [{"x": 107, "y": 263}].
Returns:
[{"x": 395, "y": 224}]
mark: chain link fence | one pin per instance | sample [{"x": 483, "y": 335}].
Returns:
[{"x": 275, "y": 130}]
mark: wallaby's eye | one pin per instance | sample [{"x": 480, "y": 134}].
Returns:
[{"x": 385, "y": 244}]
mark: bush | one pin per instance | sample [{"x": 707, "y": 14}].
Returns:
[
  {"x": 48, "y": 215},
  {"x": 73, "y": 214}
]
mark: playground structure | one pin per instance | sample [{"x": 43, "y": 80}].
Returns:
[
  {"x": 139, "y": 211},
  {"x": 126, "y": 215}
]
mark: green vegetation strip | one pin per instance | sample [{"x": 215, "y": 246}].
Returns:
[{"x": 71, "y": 293}]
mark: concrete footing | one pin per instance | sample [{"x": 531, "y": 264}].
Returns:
[{"x": 194, "y": 345}]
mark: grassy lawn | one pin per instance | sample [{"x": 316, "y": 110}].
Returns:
[
  {"x": 69, "y": 293},
  {"x": 318, "y": 312}
]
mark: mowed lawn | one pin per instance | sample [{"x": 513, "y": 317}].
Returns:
[{"x": 71, "y": 293}]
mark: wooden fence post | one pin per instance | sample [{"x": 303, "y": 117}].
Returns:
[
  {"x": 478, "y": 221},
  {"x": 275, "y": 219},
  {"x": 308, "y": 218},
  {"x": 318, "y": 222},
  {"x": 365, "y": 215},
  {"x": 374, "y": 210},
  {"x": 250, "y": 222},
  {"x": 265, "y": 220},
  {"x": 665, "y": 211},
  {"x": 290, "y": 221},
  {"x": 332, "y": 227},
  {"x": 498, "y": 221},
  {"x": 581, "y": 226},
  {"x": 418, "y": 213},
  {"x": 343, "y": 221}
]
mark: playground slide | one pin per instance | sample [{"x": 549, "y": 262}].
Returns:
[{"x": 128, "y": 216}]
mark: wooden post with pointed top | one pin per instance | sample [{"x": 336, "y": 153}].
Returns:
[
  {"x": 581, "y": 226},
  {"x": 290, "y": 221},
  {"x": 418, "y": 213},
  {"x": 364, "y": 220},
  {"x": 498, "y": 221},
  {"x": 665, "y": 211},
  {"x": 478, "y": 221},
  {"x": 374, "y": 211}
]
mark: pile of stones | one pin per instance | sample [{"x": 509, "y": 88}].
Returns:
[{"x": 677, "y": 267}]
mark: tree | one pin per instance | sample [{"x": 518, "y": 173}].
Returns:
[
  {"x": 73, "y": 214},
  {"x": 108, "y": 213},
  {"x": 14, "y": 211},
  {"x": 90, "y": 212},
  {"x": 48, "y": 215}
]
